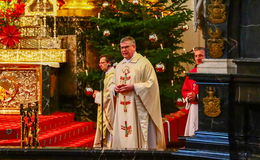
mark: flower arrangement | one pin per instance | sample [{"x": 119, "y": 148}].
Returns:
[{"x": 10, "y": 12}]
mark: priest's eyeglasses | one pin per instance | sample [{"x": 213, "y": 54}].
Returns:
[{"x": 124, "y": 47}]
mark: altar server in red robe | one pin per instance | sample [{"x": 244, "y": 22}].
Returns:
[{"x": 190, "y": 93}]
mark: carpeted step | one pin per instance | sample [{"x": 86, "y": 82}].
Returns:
[
  {"x": 47, "y": 122},
  {"x": 83, "y": 141},
  {"x": 66, "y": 132},
  {"x": 60, "y": 135},
  {"x": 10, "y": 125},
  {"x": 10, "y": 142},
  {"x": 57, "y": 129}
]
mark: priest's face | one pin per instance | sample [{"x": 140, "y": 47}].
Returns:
[
  {"x": 199, "y": 55},
  {"x": 127, "y": 49},
  {"x": 103, "y": 64}
]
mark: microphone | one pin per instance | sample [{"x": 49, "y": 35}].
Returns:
[{"x": 101, "y": 85}]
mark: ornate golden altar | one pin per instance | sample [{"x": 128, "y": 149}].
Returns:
[
  {"x": 21, "y": 68},
  {"x": 21, "y": 76}
]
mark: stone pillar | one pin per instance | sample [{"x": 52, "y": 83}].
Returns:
[
  {"x": 214, "y": 77},
  {"x": 218, "y": 66},
  {"x": 230, "y": 78}
]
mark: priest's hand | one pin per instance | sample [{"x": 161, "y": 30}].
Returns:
[
  {"x": 123, "y": 88},
  {"x": 95, "y": 93}
]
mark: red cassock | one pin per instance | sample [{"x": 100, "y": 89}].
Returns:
[
  {"x": 192, "y": 121},
  {"x": 190, "y": 85}
]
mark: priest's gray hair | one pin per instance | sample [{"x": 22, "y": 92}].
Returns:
[{"x": 128, "y": 38}]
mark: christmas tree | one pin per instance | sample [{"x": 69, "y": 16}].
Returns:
[{"x": 157, "y": 26}]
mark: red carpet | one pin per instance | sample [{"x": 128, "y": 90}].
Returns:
[{"x": 58, "y": 129}]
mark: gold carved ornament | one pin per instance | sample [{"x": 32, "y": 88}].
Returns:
[
  {"x": 33, "y": 55},
  {"x": 19, "y": 84},
  {"x": 42, "y": 8},
  {"x": 8, "y": 89},
  {"x": 215, "y": 43},
  {"x": 217, "y": 12},
  {"x": 211, "y": 103}
]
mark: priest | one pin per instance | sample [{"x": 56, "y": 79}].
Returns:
[
  {"x": 138, "y": 122},
  {"x": 104, "y": 130}
]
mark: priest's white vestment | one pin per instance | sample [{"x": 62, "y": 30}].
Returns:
[
  {"x": 138, "y": 122},
  {"x": 108, "y": 112}
]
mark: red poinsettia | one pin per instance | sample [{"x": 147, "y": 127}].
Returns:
[
  {"x": 10, "y": 12},
  {"x": 18, "y": 9},
  {"x": 10, "y": 36}
]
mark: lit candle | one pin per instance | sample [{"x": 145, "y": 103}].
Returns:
[
  {"x": 161, "y": 46},
  {"x": 86, "y": 72}
]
